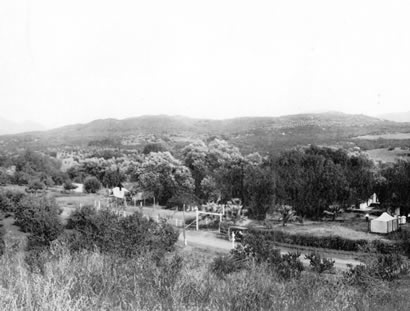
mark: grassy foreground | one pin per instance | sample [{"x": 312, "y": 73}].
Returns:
[{"x": 182, "y": 281}]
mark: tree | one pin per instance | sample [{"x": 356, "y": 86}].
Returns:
[
  {"x": 287, "y": 214},
  {"x": 154, "y": 147},
  {"x": 164, "y": 176},
  {"x": 311, "y": 180},
  {"x": 92, "y": 184},
  {"x": 195, "y": 158},
  {"x": 259, "y": 190},
  {"x": 113, "y": 177}
]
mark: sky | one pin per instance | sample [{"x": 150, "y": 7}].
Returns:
[{"x": 64, "y": 62}]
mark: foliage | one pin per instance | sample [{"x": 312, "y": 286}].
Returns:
[
  {"x": 2, "y": 243},
  {"x": 94, "y": 281},
  {"x": 92, "y": 184},
  {"x": 331, "y": 242},
  {"x": 10, "y": 199},
  {"x": 40, "y": 217},
  {"x": 393, "y": 184},
  {"x": 164, "y": 176},
  {"x": 287, "y": 214},
  {"x": 224, "y": 265},
  {"x": 112, "y": 178},
  {"x": 290, "y": 266},
  {"x": 320, "y": 264},
  {"x": 68, "y": 185},
  {"x": 31, "y": 165},
  {"x": 125, "y": 236},
  {"x": 383, "y": 268},
  {"x": 36, "y": 185},
  {"x": 154, "y": 147},
  {"x": 314, "y": 178},
  {"x": 259, "y": 189}
]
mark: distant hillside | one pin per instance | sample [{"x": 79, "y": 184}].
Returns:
[
  {"x": 10, "y": 127},
  {"x": 263, "y": 134},
  {"x": 396, "y": 116}
]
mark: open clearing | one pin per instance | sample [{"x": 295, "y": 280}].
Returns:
[
  {"x": 388, "y": 156},
  {"x": 211, "y": 242},
  {"x": 397, "y": 136}
]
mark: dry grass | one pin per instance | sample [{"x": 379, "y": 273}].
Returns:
[{"x": 92, "y": 281}]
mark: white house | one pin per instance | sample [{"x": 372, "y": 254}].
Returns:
[{"x": 371, "y": 200}]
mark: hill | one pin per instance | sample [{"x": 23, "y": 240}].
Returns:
[
  {"x": 10, "y": 127},
  {"x": 263, "y": 134},
  {"x": 396, "y": 116}
]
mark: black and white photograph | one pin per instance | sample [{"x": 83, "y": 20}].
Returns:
[{"x": 204, "y": 155}]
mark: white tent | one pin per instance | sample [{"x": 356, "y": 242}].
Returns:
[{"x": 384, "y": 224}]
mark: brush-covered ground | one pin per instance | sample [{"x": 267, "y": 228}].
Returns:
[{"x": 184, "y": 279}]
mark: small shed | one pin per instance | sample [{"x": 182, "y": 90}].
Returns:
[
  {"x": 384, "y": 224},
  {"x": 79, "y": 188},
  {"x": 119, "y": 192}
]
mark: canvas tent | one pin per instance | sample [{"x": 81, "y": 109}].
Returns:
[{"x": 384, "y": 224}]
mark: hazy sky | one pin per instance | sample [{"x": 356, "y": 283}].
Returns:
[{"x": 74, "y": 61}]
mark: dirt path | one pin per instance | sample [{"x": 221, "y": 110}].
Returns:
[{"x": 210, "y": 240}]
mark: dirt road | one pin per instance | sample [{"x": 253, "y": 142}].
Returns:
[{"x": 210, "y": 240}]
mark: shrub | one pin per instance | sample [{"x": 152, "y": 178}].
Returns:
[
  {"x": 9, "y": 200},
  {"x": 5, "y": 203},
  {"x": 40, "y": 217},
  {"x": 92, "y": 184},
  {"x": 126, "y": 236},
  {"x": 223, "y": 265},
  {"x": 36, "y": 185},
  {"x": 290, "y": 266},
  {"x": 330, "y": 242},
  {"x": 382, "y": 268},
  {"x": 68, "y": 185},
  {"x": 320, "y": 264},
  {"x": 2, "y": 244}
]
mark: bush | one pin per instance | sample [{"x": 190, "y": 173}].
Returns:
[
  {"x": 320, "y": 264},
  {"x": 92, "y": 185},
  {"x": 9, "y": 200},
  {"x": 224, "y": 265},
  {"x": 125, "y": 236},
  {"x": 36, "y": 185},
  {"x": 68, "y": 185},
  {"x": 40, "y": 217},
  {"x": 290, "y": 266},
  {"x": 330, "y": 242},
  {"x": 383, "y": 268},
  {"x": 2, "y": 244}
]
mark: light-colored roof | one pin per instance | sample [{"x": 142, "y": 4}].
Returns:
[{"x": 384, "y": 217}]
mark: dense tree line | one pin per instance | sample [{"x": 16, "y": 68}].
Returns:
[{"x": 310, "y": 179}]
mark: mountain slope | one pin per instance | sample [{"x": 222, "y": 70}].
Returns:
[
  {"x": 263, "y": 134},
  {"x": 396, "y": 116},
  {"x": 10, "y": 127}
]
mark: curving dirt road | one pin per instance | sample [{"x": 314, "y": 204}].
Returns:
[{"x": 210, "y": 240}]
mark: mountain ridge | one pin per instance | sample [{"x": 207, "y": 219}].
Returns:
[
  {"x": 250, "y": 134},
  {"x": 11, "y": 127}
]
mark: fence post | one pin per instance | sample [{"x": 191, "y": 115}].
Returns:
[{"x": 197, "y": 218}]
